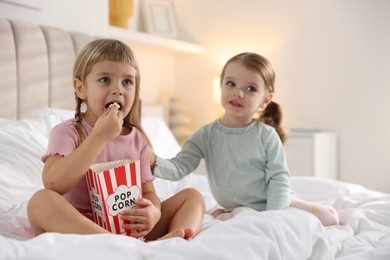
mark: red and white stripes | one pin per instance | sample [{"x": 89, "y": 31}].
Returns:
[{"x": 113, "y": 187}]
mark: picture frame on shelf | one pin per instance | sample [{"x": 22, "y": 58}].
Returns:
[{"x": 159, "y": 17}]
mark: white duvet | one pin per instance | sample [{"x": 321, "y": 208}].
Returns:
[{"x": 364, "y": 232}]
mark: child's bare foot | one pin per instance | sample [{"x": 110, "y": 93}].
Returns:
[
  {"x": 186, "y": 233},
  {"x": 189, "y": 234},
  {"x": 175, "y": 233}
]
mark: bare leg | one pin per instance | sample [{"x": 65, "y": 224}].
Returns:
[
  {"x": 181, "y": 216},
  {"x": 48, "y": 211}
]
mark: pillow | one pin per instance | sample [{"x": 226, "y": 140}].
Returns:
[
  {"x": 60, "y": 114},
  {"x": 22, "y": 143}
]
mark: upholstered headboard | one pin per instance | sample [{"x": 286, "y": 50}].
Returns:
[{"x": 36, "y": 67}]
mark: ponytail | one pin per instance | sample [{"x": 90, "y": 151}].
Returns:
[
  {"x": 272, "y": 115},
  {"x": 79, "y": 128}
]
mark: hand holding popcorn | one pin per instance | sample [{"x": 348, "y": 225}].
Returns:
[
  {"x": 142, "y": 219},
  {"x": 109, "y": 124},
  {"x": 113, "y": 188}
]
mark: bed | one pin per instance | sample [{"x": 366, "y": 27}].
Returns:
[{"x": 35, "y": 68}]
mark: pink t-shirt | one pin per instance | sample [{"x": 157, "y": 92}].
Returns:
[{"x": 64, "y": 139}]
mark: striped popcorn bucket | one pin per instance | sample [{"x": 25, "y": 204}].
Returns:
[{"x": 113, "y": 187}]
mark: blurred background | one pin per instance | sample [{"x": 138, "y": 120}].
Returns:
[{"x": 331, "y": 57}]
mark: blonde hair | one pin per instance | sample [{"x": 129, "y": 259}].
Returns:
[
  {"x": 272, "y": 114},
  {"x": 107, "y": 50}
]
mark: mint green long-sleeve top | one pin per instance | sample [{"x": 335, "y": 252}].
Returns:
[{"x": 245, "y": 166}]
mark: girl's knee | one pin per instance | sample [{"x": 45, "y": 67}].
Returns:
[
  {"x": 35, "y": 207},
  {"x": 36, "y": 200},
  {"x": 191, "y": 192},
  {"x": 39, "y": 201},
  {"x": 194, "y": 195}
]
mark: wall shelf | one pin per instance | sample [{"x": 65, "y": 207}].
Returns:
[{"x": 156, "y": 41}]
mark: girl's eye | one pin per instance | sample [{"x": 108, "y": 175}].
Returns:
[
  {"x": 230, "y": 83},
  {"x": 105, "y": 80},
  {"x": 251, "y": 89},
  {"x": 127, "y": 82}
]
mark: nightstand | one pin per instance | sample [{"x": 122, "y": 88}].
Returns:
[{"x": 312, "y": 153}]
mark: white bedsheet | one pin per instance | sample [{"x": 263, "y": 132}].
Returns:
[{"x": 364, "y": 232}]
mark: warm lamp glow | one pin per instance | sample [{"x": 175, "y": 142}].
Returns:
[{"x": 217, "y": 90}]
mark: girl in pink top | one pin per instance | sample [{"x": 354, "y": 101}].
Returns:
[{"x": 105, "y": 73}]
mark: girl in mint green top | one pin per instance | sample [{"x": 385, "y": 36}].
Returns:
[
  {"x": 245, "y": 165},
  {"x": 244, "y": 157}
]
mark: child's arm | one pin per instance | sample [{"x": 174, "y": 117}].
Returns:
[
  {"x": 277, "y": 176},
  {"x": 184, "y": 163},
  {"x": 62, "y": 173},
  {"x": 279, "y": 192}
]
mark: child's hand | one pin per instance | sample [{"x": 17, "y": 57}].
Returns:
[
  {"x": 143, "y": 219},
  {"x": 109, "y": 124}
]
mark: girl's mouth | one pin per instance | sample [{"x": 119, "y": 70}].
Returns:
[
  {"x": 116, "y": 104},
  {"x": 234, "y": 103}
]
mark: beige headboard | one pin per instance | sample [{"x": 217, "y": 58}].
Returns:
[{"x": 36, "y": 67}]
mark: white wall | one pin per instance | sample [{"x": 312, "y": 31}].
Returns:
[{"x": 332, "y": 60}]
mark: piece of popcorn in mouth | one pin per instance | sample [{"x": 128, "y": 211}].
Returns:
[{"x": 115, "y": 104}]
